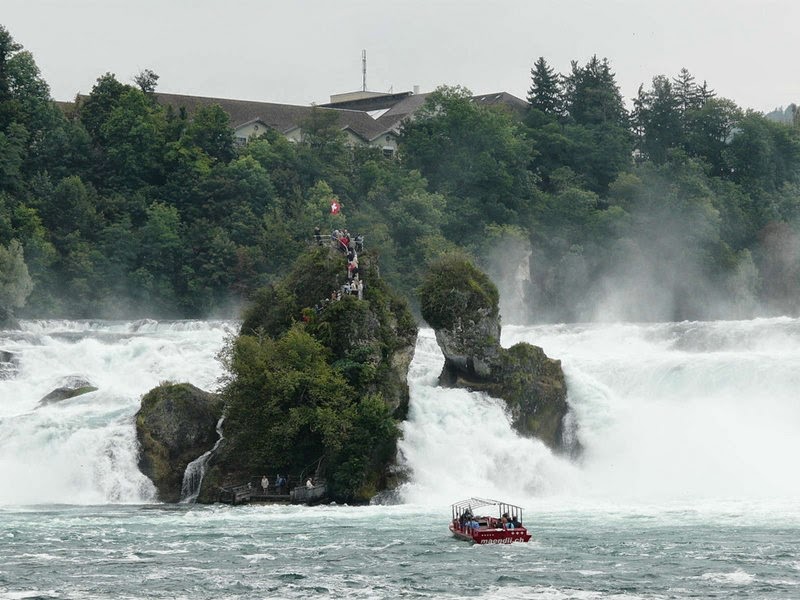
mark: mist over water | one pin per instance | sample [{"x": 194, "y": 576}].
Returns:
[
  {"x": 672, "y": 412},
  {"x": 669, "y": 412},
  {"x": 83, "y": 450},
  {"x": 687, "y": 486}
]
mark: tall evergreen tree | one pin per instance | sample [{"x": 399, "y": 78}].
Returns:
[
  {"x": 660, "y": 120},
  {"x": 687, "y": 91},
  {"x": 592, "y": 95},
  {"x": 8, "y": 47},
  {"x": 545, "y": 93}
]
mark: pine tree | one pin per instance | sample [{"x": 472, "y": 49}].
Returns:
[
  {"x": 545, "y": 93},
  {"x": 686, "y": 91},
  {"x": 705, "y": 93},
  {"x": 592, "y": 96},
  {"x": 661, "y": 119}
]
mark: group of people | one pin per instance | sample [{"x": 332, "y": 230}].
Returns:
[
  {"x": 280, "y": 484},
  {"x": 468, "y": 521},
  {"x": 350, "y": 246}
]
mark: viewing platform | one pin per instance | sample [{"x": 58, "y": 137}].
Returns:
[{"x": 292, "y": 493}]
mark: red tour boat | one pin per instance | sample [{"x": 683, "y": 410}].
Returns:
[{"x": 471, "y": 524}]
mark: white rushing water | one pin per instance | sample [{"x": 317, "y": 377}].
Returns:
[
  {"x": 675, "y": 412},
  {"x": 83, "y": 450},
  {"x": 687, "y": 486}
]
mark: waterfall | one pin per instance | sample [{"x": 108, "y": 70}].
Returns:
[
  {"x": 664, "y": 412},
  {"x": 196, "y": 470},
  {"x": 83, "y": 450}
]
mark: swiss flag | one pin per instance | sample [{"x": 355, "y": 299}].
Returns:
[{"x": 335, "y": 206}]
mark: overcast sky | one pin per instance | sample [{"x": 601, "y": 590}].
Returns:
[{"x": 301, "y": 51}]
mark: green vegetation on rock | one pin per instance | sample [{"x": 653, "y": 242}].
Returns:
[
  {"x": 319, "y": 391},
  {"x": 454, "y": 289},
  {"x": 461, "y": 304},
  {"x": 175, "y": 424}
]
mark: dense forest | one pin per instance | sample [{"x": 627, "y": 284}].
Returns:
[{"x": 686, "y": 206}]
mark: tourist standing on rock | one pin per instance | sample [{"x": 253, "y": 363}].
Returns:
[
  {"x": 264, "y": 484},
  {"x": 309, "y": 484},
  {"x": 352, "y": 268},
  {"x": 360, "y": 288}
]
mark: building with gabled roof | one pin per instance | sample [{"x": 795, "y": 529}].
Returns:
[
  {"x": 366, "y": 118},
  {"x": 250, "y": 118}
]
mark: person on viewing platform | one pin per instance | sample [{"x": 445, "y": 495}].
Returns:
[
  {"x": 309, "y": 483},
  {"x": 264, "y": 484},
  {"x": 317, "y": 236}
]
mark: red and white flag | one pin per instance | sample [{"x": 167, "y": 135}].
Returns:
[{"x": 335, "y": 207}]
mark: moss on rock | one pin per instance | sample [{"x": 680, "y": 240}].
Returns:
[
  {"x": 175, "y": 424},
  {"x": 461, "y": 304}
]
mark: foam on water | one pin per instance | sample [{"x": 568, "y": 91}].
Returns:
[
  {"x": 680, "y": 413},
  {"x": 83, "y": 450},
  {"x": 669, "y": 414}
]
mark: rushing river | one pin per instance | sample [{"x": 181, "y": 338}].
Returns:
[{"x": 688, "y": 486}]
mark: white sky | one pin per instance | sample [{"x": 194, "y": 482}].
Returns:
[{"x": 301, "y": 51}]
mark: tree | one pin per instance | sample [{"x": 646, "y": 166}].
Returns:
[
  {"x": 687, "y": 92},
  {"x": 545, "y": 92},
  {"x": 147, "y": 80},
  {"x": 658, "y": 118},
  {"x": 8, "y": 108},
  {"x": 475, "y": 156},
  {"x": 132, "y": 137},
  {"x": 15, "y": 281},
  {"x": 102, "y": 100},
  {"x": 708, "y": 131},
  {"x": 762, "y": 155},
  {"x": 598, "y": 126},
  {"x": 592, "y": 96},
  {"x": 211, "y": 131}
]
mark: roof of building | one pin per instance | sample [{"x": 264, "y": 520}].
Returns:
[
  {"x": 388, "y": 110},
  {"x": 501, "y": 99},
  {"x": 282, "y": 117},
  {"x": 374, "y": 101}
]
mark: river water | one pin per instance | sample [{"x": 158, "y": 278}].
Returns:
[{"x": 688, "y": 486}]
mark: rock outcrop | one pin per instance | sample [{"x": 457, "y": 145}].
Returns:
[
  {"x": 461, "y": 304},
  {"x": 70, "y": 387},
  {"x": 175, "y": 424},
  {"x": 9, "y": 364},
  {"x": 317, "y": 387}
]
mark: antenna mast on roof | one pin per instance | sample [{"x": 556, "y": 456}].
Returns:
[{"x": 364, "y": 70}]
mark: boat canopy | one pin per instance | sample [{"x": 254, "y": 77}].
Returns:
[{"x": 473, "y": 504}]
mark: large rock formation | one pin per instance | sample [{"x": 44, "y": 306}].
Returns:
[
  {"x": 461, "y": 304},
  {"x": 317, "y": 387},
  {"x": 175, "y": 424}
]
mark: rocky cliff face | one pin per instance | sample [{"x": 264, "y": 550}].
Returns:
[
  {"x": 461, "y": 304},
  {"x": 175, "y": 424},
  {"x": 280, "y": 407}
]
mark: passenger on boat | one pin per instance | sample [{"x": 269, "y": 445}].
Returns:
[{"x": 516, "y": 522}]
